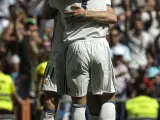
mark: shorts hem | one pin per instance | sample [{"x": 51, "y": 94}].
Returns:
[
  {"x": 48, "y": 90},
  {"x": 90, "y": 93}
]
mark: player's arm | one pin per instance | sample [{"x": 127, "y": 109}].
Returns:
[
  {"x": 105, "y": 17},
  {"x": 49, "y": 12}
]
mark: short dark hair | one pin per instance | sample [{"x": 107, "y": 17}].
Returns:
[
  {"x": 142, "y": 89},
  {"x": 116, "y": 28}
]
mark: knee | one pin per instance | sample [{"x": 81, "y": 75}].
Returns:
[
  {"x": 107, "y": 97},
  {"x": 94, "y": 109},
  {"x": 48, "y": 98},
  {"x": 79, "y": 100},
  {"x": 94, "y": 105},
  {"x": 94, "y": 112}
]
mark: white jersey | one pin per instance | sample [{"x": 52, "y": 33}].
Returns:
[
  {"x": 57, "y": 41},
  {"x": 82, "y": 30},
  {"x": 55, "y": 70}
]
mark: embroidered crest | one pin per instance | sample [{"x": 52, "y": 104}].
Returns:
[{"x": 46, "y": 80}]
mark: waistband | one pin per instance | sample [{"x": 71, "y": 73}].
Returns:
[{"x": 89, "y": 39}]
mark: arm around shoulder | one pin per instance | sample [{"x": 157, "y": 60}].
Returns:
[{"x": 106, "y": 17}]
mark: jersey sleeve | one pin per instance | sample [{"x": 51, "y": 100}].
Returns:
[{"x": 108, "y": 2}]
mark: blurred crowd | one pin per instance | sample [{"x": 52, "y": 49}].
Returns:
[{"x": 25, "y": 42}]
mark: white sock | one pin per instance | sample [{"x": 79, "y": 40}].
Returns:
[
  {"x": 108, "y": 111},
  {"x": 47, "y": 115},
  {"x": 78, "y": 112},
  {"x": 94, "y": 117}
]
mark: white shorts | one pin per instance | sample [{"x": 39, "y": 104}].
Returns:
[
  {"x": 54, "y": 77},
  {"x": 89, "y": 68}
]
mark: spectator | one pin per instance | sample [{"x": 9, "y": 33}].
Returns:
[
  {"x": 141, "y": 78},
  {"x": 142, "y": 107},
  {"x": 46, "y": 28},
  {"x": 32, "y": 7},
  {"x": 13, "y": 34},
  {"x": 4, "y": 13},
  {"x": 122, "y": 75},
  {"x": 139, "y": 41},
  {"x": 115, "y": 44},
  {"x": 14, "y": 66},
  {"x": 29, "y": 52},
  {"x": 154, "y": 75},
  {"x": 7, "y": 95},
  {"x": 149, "y": 17},
  {"x": 156, "y": 44}
]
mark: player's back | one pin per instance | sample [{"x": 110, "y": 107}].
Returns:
[
  {"x": 57, "y": 40},
  {"x": 81, "y": 30}
]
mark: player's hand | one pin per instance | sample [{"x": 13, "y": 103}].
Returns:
[
  {"x": 78, "y": 11},
  {"x": 77, "y": 14}
]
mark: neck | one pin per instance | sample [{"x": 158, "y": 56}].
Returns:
[
  {"x": 114, "y": 44},
  {"x": 138, "y": 33}
]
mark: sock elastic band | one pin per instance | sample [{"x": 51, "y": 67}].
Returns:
[
  {"x": 49, "y": 110},
  {"x": 109, "y": 101},
  {"x": 78, "y": 106}
]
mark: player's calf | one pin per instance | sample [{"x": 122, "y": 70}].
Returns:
[
  {"x": 50, "y": 105},
  {"x": 94, "y": 106},
  {"x": 101, "y": 107},
  {"x": 79, "y": 108},
  {"x": 108, "y": 110}
]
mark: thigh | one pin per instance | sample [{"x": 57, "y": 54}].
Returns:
[
  {"x": 94, "y": 104},
  {"x": 102, "y": 75},
  {"x": 77, "y": 70},
  {"x": 107, "y": 97}
]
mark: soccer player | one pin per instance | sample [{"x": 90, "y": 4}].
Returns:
[
  {"x": 54, "y": 78},
  {"x": 88, "y": 62},
  {"x": 53, "y": 81}
]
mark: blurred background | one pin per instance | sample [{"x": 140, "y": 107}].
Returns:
[{"x": 25, "y": 44}]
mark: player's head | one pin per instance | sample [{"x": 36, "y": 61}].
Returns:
[
  {"x": 139, "y": 26},
  {"x": 115, "y": 35},
  {"x": 142, "y": 89}
]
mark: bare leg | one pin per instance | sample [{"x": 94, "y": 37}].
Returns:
[
  {"x": 79, "y": 108},
  {"x": 101, "y": 107},
  {"x": 50, "y": 105},
  {"x": 108, "y": 110}
]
